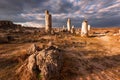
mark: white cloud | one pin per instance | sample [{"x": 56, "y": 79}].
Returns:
[
  {"x": 31, "y": 24},
  {"x": 106, "y": 9},
  {"x": 36, "y": 16}
]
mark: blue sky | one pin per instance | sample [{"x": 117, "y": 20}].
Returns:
[{"x": 100, "y": 13}]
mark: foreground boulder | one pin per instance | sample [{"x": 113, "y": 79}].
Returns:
[{"x": 42, "y": 65}]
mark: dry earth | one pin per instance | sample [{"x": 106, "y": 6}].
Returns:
[{"x": 93, "y": 58}]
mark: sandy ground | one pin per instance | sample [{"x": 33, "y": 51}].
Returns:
[
  {"x": 99, "y": 60},
  {"x": 94, "y": 58}
]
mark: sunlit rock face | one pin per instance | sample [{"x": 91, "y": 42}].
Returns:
[
  {"x": 73, "y": 30},
  {"x": 45, "y": 64},
  {"x": 89, "y": 27},
  {"x": 48, "y": 22},
  {"x": 84, "y": 29},
  {"x": 68, "y": 24}
]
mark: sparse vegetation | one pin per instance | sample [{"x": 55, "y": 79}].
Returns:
[{"x": 83, "y": 58}]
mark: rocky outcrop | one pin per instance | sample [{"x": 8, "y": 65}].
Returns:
[{"x": 42, "y": 65}]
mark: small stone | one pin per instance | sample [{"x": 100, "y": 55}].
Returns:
[{"x": 73, "y": 30}]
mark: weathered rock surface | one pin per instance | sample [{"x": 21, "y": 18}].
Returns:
[
  {"x": 84, "y": 29},
  {"x": 48, "y": 21},
  {"x": 68, "y": 24},
  {"x": 42, "y": 65}
]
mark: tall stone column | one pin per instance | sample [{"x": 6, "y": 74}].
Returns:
[
  {"x": 84, "y": 29},
  {"x": 63, "y": 27},
  {"x": 48, "y": 22},
  {"x": 89, "y": 27},
  {"x": 69, "y": 24},
  {"x": 73, "y": 30}
]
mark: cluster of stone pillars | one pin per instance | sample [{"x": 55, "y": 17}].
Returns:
[
  {"x": 48, "y": 22},
  {"x": 48, "y": 25}
]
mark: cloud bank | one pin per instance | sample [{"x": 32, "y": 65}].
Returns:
[{"x": 100, "y": 13}]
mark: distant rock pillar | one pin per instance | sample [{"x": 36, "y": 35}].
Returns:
[
  {"x": 69, "y": 24},
  {"x": 63, "y": 27},
  {"x": 89, "y": 27},
  {"x": 73, "y": 30},
  {"x": 84, "y": 29},
  {"x": 48, "y": 22}
]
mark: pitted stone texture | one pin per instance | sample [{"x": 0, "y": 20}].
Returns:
[
  {"x": 47, "y": 63},
  {"x": 48, "y": 22}
]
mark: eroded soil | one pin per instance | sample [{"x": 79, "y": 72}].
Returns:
[{"x": 93, "y": 58}]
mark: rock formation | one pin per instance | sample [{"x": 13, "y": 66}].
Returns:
[
  {"x": 84, "y": 29},
  {"x": 32, "y": 49},
  {"x": 89, "y": 27},
  {"x": 69, "y": 24},
  {"x": 63, "y": 27},
  {"x": 5, "y": 24},
  {"x": 42, "y": 65},
  {"x": 48, "y": 22},
  {"x": 73, "y": 30}
]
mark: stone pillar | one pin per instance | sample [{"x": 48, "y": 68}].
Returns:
[
  {"x": 69, "y": 24},
  {"x": 89, "y": 27},
  {"x": 73, "y": 30},
  {"x": 84, "y": 29},
  {"x": 63, "y": 27},
  {"x": 48, "y": 22}
]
